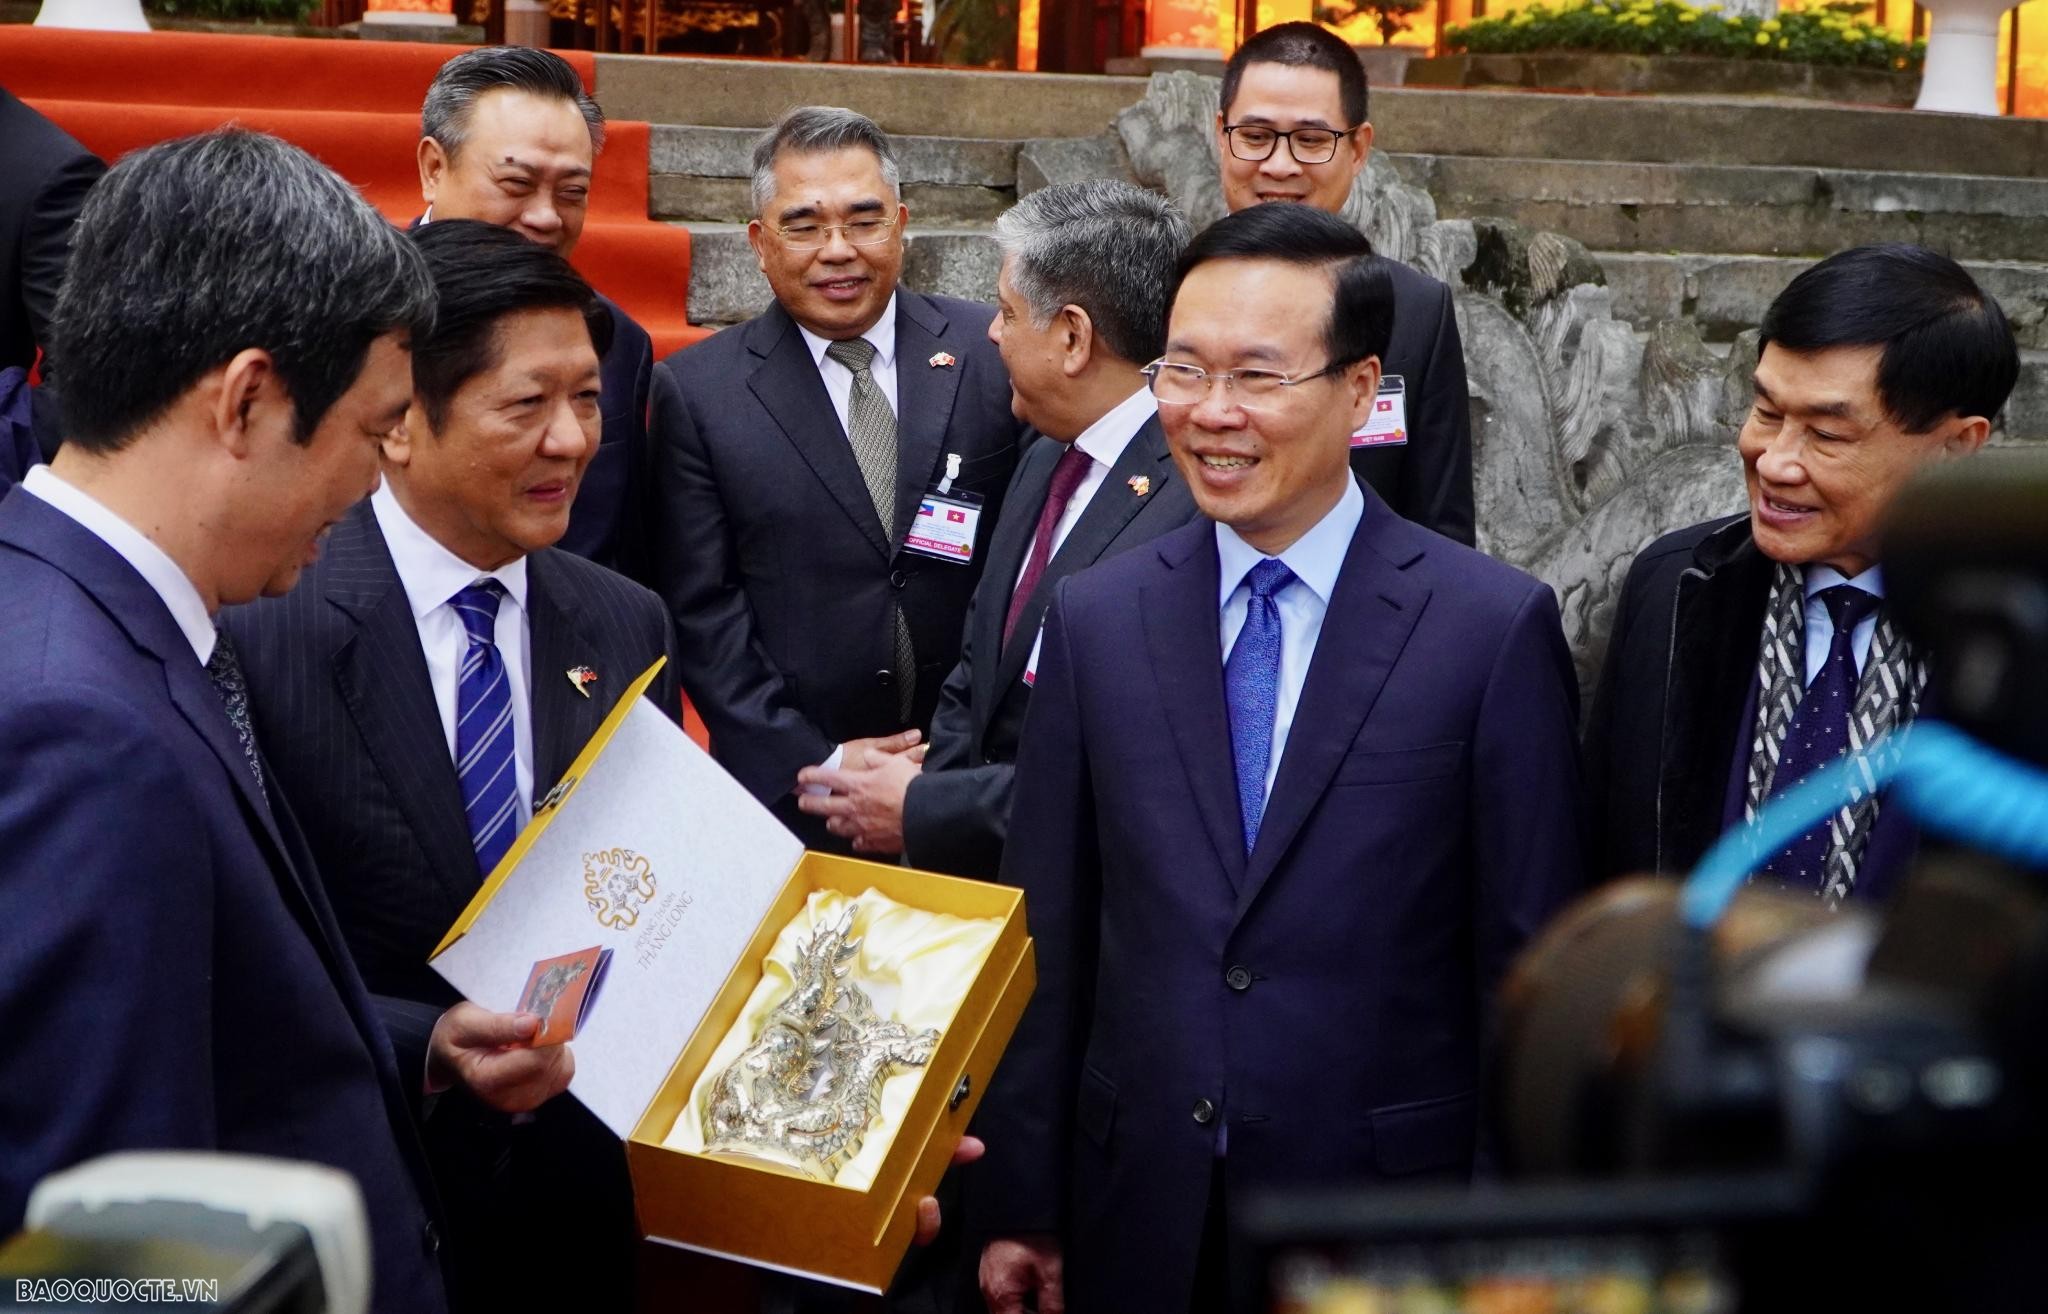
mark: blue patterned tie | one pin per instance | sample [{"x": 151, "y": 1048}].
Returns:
[
  {"x": 1819, "y": 731},
  {"x": 483, "y": 728},
  {"x": 1251, "y": 686}
]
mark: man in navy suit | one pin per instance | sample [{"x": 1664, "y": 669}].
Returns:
[
  {"x": 357, "y": 685},
  {"x": 1294, "y": 786},
  {"x": 172, "y": 975},
  {"x": 1081, "y": 308},
  {"x": 1293, "y": 128},
  {"x": 508, "y": 135},
  {"x": 810, "y": 465}
]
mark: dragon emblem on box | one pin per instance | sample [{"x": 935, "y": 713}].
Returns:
[
  {"x": 807, "y": 1089},
  {"x": 617, "y": 883}
]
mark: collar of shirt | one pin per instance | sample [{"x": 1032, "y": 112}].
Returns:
[
  {"x": 1316, "y": 558},
  {"x": 430, "y": 573},
  {"x": 148, "y": 560},
  {"x": 882, "y": 337},
  {"x": 1106, "y": 439},
  {"x": 1826, "y": 577}
]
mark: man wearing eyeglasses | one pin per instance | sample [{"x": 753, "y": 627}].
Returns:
[
  {"x": 1298, "y": 779},
  {"x": 827, "y": 475},
  {"x": 1293, "y": 127}
]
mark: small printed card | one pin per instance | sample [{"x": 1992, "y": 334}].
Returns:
[
  {"x": 1388, "y": 426},
  {"x": 560, "y": 992}
]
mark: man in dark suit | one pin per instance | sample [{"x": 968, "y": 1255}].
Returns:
[
  {"x": 172, "y": 975},
  {"x": 508, "y": 135},
  {"x": 48, "y": 174},
  {"x": 1294, "y": 786},
  {"x": 1747, "y": 652},
  {"x": 1293, "y": 127},
  {"x": 360, "y": 682},
  {"x": 827, "y": 476},
  {"x": 1082, "y": 308}
]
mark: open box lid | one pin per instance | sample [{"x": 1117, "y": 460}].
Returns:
[{"x": 646, "y": 848}]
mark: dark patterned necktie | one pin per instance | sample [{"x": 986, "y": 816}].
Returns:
[
  {"x": 485, "y": 760},
  {"x": 871, "y": 430},
  {"x": 1251, "y": 687},
  {"x": 1819, "y": 731},
  {"x": 225, "y": 670},
  {"x": 1073, "y": 467}
]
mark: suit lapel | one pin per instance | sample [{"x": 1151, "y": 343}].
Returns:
[
  {"x": 563, "y": 718},
  {"x": 381, "y": 675},
  {"x": 924, "y": 396},
  {"x": 787, "y": 385},
  {"x": 1007, "y": 548},
  {"x": 1370, "y": 617},
  {"x": 1113, "y": 507},
  {"x": 1183, "y": 636}
]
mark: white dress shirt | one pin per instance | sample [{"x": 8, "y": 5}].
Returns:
[
  {"x": 432, "y": 576},
  {"x": 1105, "y": 441},
  {"x": 151, "y": 562},
  {"x": 1820, "y": 627},
  {"x": 839, "y": 379},
  {"x": 1316, "y": 558}
]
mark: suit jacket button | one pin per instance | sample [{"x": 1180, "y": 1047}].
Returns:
[
  {"x": 1238, "y": 978},
  {"x": 898, "y": 578},
  {"x": 887, "y": 679},
  {"x": 431, "y": 1237},
  {"x": 1205, "y": 1112}
]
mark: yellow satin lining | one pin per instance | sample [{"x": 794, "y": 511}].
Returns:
[{"x": 915, "y": 965}]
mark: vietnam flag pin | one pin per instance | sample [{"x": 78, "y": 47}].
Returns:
[
  {"x": 941, "y": 360},
  {"x": 582, "y": 677}
]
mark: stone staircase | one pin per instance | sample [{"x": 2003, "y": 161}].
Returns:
[{"x": 1696, "y": 208}]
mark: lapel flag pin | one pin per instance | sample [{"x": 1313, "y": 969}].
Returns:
[
  {"x": 1140, "y": 485},
  {"x": 581, "y": 677},
  {"x": 941, "y": 359}
]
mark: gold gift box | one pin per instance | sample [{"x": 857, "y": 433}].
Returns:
[{"x": 637, "y": 1063}]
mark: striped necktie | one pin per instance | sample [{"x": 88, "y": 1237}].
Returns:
[{"x": 483, "y": 728}]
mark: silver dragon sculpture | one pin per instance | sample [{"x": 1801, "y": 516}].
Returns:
[{"x": 808, "y": 1087}]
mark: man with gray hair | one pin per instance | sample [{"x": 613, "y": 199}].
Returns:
[
  {"x": 237, "y": 322},
  {"x": 826, "y": 477},
  {"x": 509, "y": 136},
  {"x": 1082, "y": 293}
]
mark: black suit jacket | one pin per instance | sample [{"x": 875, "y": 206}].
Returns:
[
  {"x": 768, "y": 550},
  {"x": 1675, "y": 713},
  {"x": 957, "y": 813},
  {"x": 1428, "y": 479},
  {"x": 171, "y": 976},
  {"x": 47, "y": 176},
  {"x": 339, "y": 690}
]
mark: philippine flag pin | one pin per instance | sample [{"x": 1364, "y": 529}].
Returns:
[
  {"x": 941, "y": 360},
  {"x": 582, "y": 677}
]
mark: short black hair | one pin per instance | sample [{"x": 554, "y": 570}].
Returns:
[
  {"x": 193, "y": 250},
  {"x": 1301, "y": 45},
  {"x": 451, "y": 98},
  {"x": 1362, "y": 306},
  {"x": 484, "y": 273},
  {"x": 1947, "y": 347}
]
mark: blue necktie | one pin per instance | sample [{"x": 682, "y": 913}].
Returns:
[
  {"x": 1251, "y": 686},
  {"x": 1819, "y": 732},
  {"x": 483, "y": 728}
]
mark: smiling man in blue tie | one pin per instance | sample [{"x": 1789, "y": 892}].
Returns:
[{"x": 1296, "y": 781}]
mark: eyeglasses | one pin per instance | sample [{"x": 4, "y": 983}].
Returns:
[
  {"x": 1251, "y": 141},
  {"x": 813, "y": 237},
  {"x": 1175, "y": 384}
]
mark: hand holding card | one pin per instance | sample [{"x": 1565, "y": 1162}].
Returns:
[{"x": 560, "y": 992}]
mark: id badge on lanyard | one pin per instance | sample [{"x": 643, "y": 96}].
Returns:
[
  {"x": 1388, "y": 426},
  {"x": 945, "y": 524}
]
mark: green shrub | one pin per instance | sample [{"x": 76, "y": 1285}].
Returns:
[
  {"x": 268, "y": 11},
  {"x": 1832, "y": 35}
]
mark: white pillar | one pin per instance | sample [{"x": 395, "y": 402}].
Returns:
[
  {"x": 1961, "y": 76},
  {"x": 98, "y": 15}
]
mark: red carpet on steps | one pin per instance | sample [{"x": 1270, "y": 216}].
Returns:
[{"x": 355, "y": 105}]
